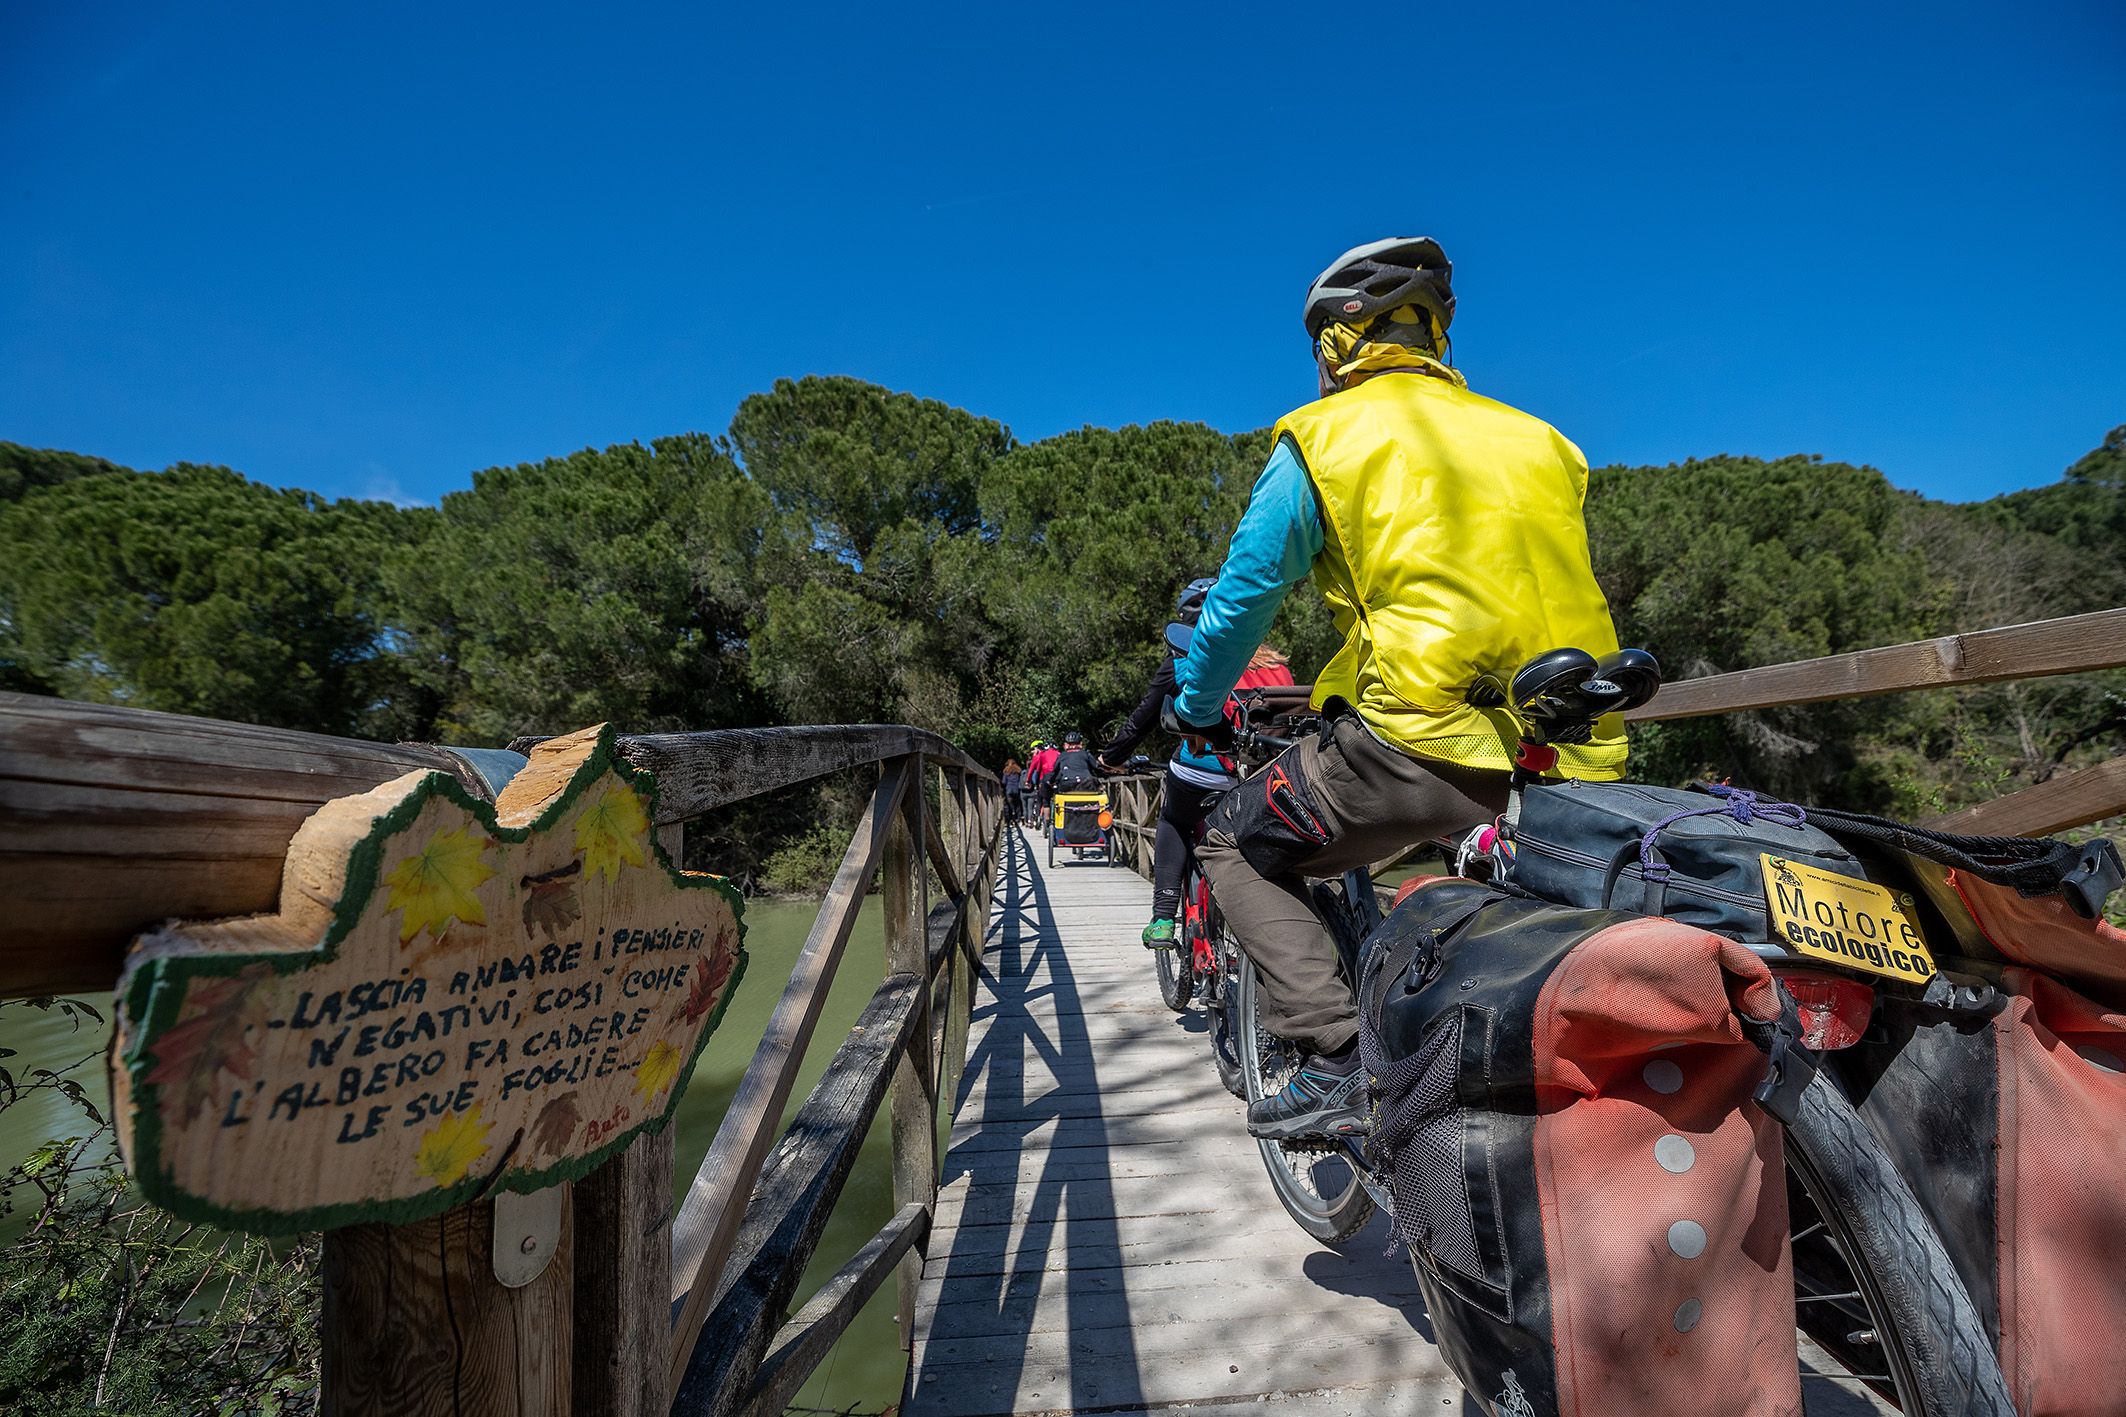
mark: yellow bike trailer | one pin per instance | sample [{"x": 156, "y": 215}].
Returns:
[{"x": 1081, "y": 821}]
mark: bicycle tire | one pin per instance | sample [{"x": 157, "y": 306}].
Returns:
[
  {"x": 1221, "y": 1007},
  {"x": 1221, "y": 996},
  {"x": 1176, "y": 979},
  {"x": 1331, "y": 1217},
  {"x": 1936, "y": 1358}
]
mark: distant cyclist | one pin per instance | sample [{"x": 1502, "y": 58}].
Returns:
[
  {"x": 1014, "y": 779},
  {"x": 1038, "y": 768},
  {"x": 1074, "y": 769},
  {"x": 1445, "y": 532},
  {"x": 1193, "y": 778}
]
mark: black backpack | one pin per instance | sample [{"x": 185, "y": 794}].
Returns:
[{"x": 1074, "y": 769}]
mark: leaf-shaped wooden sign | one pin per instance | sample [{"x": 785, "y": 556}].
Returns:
[{"x": 453, "y": 997}]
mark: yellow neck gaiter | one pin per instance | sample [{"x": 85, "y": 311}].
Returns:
[{"x": 1347, "y": 350}]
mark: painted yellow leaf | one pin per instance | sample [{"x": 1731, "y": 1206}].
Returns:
[
  {"x": 655, "y": 1072},
  {"x": 611, "y": 833},
  {"x": 451, "y": 1146},
  {"x": 435, "y": 885}
]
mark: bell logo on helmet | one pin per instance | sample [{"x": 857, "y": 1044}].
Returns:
[{"x": 1352, "y": 307}]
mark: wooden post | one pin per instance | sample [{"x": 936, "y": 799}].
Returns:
[
  {"x": 984, "y": 807},
  {"x": 957, "y": 831},
  {"x": 415, "y": 1323},
  {"x": 914, "y": 1103},
  {"x": 623, "y": 1232}
]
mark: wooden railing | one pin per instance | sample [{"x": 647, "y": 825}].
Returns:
[
  {"x": 114, "y": 819},
  {"x": 750, "y": 1222}
]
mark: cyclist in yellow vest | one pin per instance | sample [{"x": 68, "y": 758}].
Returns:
[{"x": 1445, "y": 532}]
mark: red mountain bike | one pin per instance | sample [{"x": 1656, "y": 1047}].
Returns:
[{"x": 1205, "y": 964}]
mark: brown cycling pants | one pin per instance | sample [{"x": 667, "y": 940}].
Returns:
[{"x": 1329, "y": 803}]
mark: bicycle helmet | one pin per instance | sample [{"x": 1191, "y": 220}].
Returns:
[
  {"x": 1073, "y": 738},
  {"x": 1379, "y": 276},
  {"x": 1190, "y": 605}
]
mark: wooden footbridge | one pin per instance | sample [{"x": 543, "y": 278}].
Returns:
[{"x": 1096, "y": 1233}]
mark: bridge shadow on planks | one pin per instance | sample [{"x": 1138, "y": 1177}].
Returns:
[
  {"x": 1107, "y": 1240},
  {"x": 994, "y": 1302}
]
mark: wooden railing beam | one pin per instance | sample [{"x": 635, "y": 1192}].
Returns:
[
  {"x": 113, "y": 820},
  {"x": 698, "y": 772},
  {"x": 623, "y": 1257},
  {"x": 950, "y": 873},
  {"x": 2073, "y": 645},
  {"x": 2071, "y": 800},
  {"x": 788, "y": 1208},
  {"x": 914, "y": 1107},
  {"x": 804, "y": 1342}
]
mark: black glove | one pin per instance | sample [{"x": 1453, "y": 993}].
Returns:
[{"x": 1219, "y": 735}]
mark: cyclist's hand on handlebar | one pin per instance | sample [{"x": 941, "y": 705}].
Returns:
[{"x": 1200, "y": 737}]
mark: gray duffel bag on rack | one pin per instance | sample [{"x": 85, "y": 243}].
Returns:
[{"x": 1689, "y": 854}]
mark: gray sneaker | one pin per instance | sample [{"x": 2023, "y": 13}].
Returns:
[{"x": 1317, "y": 1102}]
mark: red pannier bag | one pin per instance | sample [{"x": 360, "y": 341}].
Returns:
[
  {"x": 2059, "y": 1203},
  {"x": 1596, "y": 1210}
]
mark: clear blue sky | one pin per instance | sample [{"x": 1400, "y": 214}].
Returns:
[{"x": 368, "y": 249}]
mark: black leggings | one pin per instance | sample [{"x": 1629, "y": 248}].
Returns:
[
  {"x": 1014, "y": 807},
  {"x": 1181, "y": 811}
]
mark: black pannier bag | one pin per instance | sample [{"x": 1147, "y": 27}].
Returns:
[
  {"x": 1081, "y": 823},
  {"x": 1690, "y": 854}
]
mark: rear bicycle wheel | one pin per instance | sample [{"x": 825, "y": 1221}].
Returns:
[
  {"x": 1177, "y": 978},
  {"x": 1315, "y": 1181},
  {"x": 1873, "y": 1285},
  {"x": 1177, "y": 964},
  {"x": 1221, "y": 1006}
]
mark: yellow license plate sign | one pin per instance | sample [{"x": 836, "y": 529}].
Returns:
[{"x": 1842, "y": 921}]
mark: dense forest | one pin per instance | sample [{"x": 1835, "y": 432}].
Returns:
[{"x": 843, "y": 553}]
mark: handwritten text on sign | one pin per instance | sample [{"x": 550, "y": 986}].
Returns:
[{"x": 452, "y": 997}]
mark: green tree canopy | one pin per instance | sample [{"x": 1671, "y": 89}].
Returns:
[
  {"x": 197, "y": 591},
  {"x": 23, "y": 470},
  {"x": 848, "y": 553},
  {"x": 871, "y": 607},
  {"x": 603, "y": 586}
]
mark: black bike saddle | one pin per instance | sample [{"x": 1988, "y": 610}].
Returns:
[
  {"x": 1634, "y": 671},
  {"x": 1561, "y": 692}
]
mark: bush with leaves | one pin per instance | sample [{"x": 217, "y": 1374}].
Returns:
[{"x": 109, "y": 1303}]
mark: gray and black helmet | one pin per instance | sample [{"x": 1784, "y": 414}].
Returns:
[
  {"x": 1379, "y": 276},
  {"x": 1190, "y": 605}
]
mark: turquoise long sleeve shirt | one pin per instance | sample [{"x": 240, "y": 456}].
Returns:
[{"x": 1273, "y": 550}]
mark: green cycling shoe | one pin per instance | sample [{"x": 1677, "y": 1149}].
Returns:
[{"x": 1159, "y": 935}]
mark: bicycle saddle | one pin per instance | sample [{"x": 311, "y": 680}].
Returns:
[
  {"x": 1561, "y": 692},
  {"x": 1634, "y": 671}
]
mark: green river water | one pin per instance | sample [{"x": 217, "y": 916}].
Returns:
[{"x": 867, "y": 1367}]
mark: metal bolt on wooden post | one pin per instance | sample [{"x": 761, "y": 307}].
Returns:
[{"x": 914, "y": 1103}]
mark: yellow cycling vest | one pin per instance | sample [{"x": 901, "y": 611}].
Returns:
[{"x": 1454, "y": 546}]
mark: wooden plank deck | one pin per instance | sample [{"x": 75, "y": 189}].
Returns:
[{"x": 1107, "y": 1240}]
